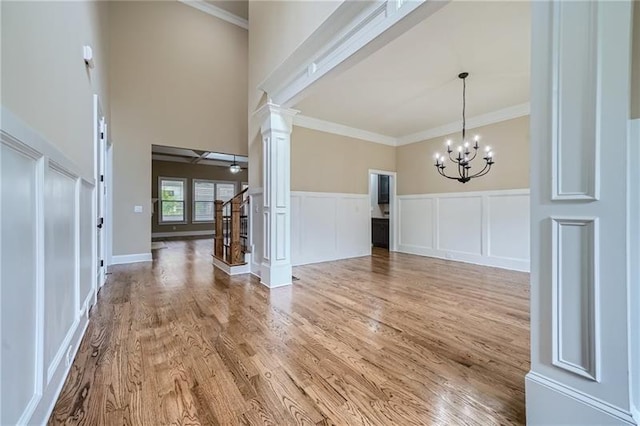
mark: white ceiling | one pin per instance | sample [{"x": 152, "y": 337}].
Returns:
[{"x": 411, "y": 84}]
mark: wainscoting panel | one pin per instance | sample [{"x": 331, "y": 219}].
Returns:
[
  {"x": 60, "y": 262},
  {"x": 329, "y": 226},
  {"x": 86, "y": 282},
  {"x": 416, "y": 217},
  {"x": 19, "y": 276},
  {"x": 508, "y": 216},
  {"x": 256, "y": 230},
  {"x": 459, "y": 219},
  {"x": 47, "y": 264},
  {"x": 575, "y": 140},
  {"x": 575, "y": 287},
  {"x": 487, "y": 227}
]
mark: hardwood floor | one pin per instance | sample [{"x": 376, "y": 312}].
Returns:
[{"x": 390, "y": 339}]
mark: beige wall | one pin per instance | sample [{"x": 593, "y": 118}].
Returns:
[
  {"x": 324, "y": 162},
  {"x": 178, "y": 78},
  {"x": 44, "y": 79},
  {"x": 276, "y": 29},
  {"x": 189, "y": 171},
  {"x": 508, "y": 139},
  {"x": 635, "y": 75}
]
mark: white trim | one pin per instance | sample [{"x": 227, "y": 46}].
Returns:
[
  {"x": 182, "y": 233},
  {"x": 498, "y": 116},
  {"x": 218, "y": 12},
  {"x": 340, "y": 129},
  {"x": 233, "y": 270},
  {"x": 131, "y": 258},
  {"x": 620, "y": 416},
  {"x": 350, "y": 33},
  {"x": 493, "y": 117}
]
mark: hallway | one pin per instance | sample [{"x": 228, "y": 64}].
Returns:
[{"x": 387, "y": 339}]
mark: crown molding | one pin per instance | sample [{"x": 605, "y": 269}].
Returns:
[
  {"x": 509, "y": 113},
  {"x": 212, "y": 10},
  {"x": 340, "y": 129}
]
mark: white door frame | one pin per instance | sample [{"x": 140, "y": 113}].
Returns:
[{"x": 393, "y": 207}]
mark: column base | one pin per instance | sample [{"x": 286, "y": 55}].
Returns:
[
  {"x": 549, "y": 402},
  {"x": 274, "y": 276}
]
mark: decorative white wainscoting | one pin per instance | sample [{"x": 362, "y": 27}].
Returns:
[
  {"x": 329, "y": 226},
  {"x": 487, "y": 228},
  {"x": 48, "y": 270}
]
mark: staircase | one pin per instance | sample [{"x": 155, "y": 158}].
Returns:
[{"x": 230, "y": 250}]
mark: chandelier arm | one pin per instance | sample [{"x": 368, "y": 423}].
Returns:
[
  {"x": 475, "y": 154},
  {"x": 482, "y": 172},
  {"x": 448, "y": 177}
]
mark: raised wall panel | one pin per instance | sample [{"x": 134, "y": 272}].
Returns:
[
  {"x": 460, "y": 224},
  {"x": 60, "y": 263},
  {"x": 353, "y": 226},
  {"x": 318, "y": 230},
  {"x": 575, "y": 140},
  {"x": 508, "y": 218},
  {"x": 19, "y": 194},
  {"x": 416, "y": 222},
  {"x": 329, "y": 226},
  {"x": 86, "y": 284},
  {"x": 575, "y": 288}
]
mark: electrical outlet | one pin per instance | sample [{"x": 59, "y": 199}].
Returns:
[{"x": 137, "y": 209}]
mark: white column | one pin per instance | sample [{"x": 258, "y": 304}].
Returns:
[
  {"x": 582, "y": 363},
  {"x": 276, "y": 123}
]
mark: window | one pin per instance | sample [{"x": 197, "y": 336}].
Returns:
[
  {"x": 203, "y": 200},
  {"x": 205, "y": 192},
  {"x": 172, "y": 200}
]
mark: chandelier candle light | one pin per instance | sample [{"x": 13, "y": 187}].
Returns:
[{"x": 464, "y": 156}]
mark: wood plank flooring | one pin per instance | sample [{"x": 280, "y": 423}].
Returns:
[{"x": 390, "y": 339}]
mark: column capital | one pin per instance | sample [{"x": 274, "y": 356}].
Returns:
[{"x": 275, "y": 118}]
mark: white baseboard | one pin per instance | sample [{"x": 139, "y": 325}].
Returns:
[
  {"x": 496, "y": 262},
  {"x": 131, "y": 258},
  {"x": 232, "y": 270},
  {"x": 181, "y": 234},
  {"x": 549, "y": 402}
]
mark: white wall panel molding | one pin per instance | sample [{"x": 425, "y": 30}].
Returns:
[
  {"x": 485, "y": 227},
  {"x": 575, "y": 133},
  {"x": 218, "y": 12},
  {"x": 575, "y": 260},
  {"x": 329, "y": 226},
  {"x": 131, "y": 258},
  {"x": 582, "y": 214},
  {"x": 47, "y": 227}
]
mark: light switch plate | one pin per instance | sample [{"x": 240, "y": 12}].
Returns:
[{"x": 137, "y": 209}]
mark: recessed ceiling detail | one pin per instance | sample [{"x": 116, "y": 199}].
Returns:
[{"x": 410, "y": 84}]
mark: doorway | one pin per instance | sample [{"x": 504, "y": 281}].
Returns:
[{"x": 382, "y": 197}]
